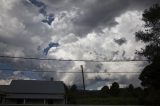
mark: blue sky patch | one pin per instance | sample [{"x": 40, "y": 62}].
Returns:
[{"x": 50, "y": 45}]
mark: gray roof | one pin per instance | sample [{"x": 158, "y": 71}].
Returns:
[
  {"x": 3, "y": 88},
  {"x": 36, "y": 87},
  {"x": 35, "y": 96}
]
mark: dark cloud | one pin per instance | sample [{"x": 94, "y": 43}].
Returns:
[
  {"x": 99, "y": 14},
  {"x": 120, "y": 41},
  {"x": 94, "y": 15}
]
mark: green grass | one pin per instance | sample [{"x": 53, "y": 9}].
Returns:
[{"x": 107, "y": 101}]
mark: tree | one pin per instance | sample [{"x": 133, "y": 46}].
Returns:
[
  {"x": 150, "y": 76},
  {"x": 130, "y": 88},
  {"x": 73, "y": 88},
  {"x": 105, "y": 91},
  {"x": 114, "y": 90},
  {"x": 151, "y": 36},
  {"x": 72, "y": 94}
]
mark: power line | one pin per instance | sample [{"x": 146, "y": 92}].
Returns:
[
  {"x": 40, "y": 70},
  {"x": 36, "y": 58},
  {"x": 71, "y": 71}
]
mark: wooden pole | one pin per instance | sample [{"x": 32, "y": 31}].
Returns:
[{"x": 83, "y": 78}]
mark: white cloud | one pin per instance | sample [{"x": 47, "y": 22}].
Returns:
[
  {"x": 5, "y": 82},
  {"x": 23, "y": 34},
  {"x": 101, "y": 46}
]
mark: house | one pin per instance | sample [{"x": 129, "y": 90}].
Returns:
[
  {"x": 2, "y": 94},
  {"x": 33, "y": 92}
]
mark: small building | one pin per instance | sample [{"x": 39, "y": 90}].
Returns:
[
  {"x": 1, "y": 96},
  {"x": 33, "y": 92},
  {"x": 2, "y": 93}
]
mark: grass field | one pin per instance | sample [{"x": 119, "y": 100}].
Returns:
[{"x": 108, "y": 101}]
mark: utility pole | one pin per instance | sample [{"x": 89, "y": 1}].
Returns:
[{"x": 83, "y": 78}]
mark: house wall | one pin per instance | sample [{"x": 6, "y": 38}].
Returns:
[
  {"x": 33, "y": 99},
  {"x": 54, "y": 101},
  {"x": 13, "y": 101},
  {"x": 1, "y": 99}
]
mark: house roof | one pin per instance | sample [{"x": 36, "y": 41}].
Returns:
[
  {"x": 33, "y": 96},
  {"x": 36, "y": 86},
  {"x": 3, "y": 88}
]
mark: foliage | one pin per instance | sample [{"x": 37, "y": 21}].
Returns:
[
  {"x": 151, "y": 36},
  {"x": 105, "y": 91},
  {"x": 73, "y": 88},
  {"x": 150, "y": 76},
  {"x": 114, "y": 90},
  {"x": 126, "y": 96},
  {"x": 130, "y": 87},
  {"x": 105, "y": 96}
]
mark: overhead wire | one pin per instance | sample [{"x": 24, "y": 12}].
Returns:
[
  {"x": 85, "y": 60},
  {"x": 48, "y": 59},
  {"x": 31, "y": 70}
]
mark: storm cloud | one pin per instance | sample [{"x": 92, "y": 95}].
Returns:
[
  {"x": 94, "y": 15},
  {"x": 85, "y": 29}
]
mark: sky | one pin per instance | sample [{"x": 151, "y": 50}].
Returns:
[{"x": 72, "y": 29}]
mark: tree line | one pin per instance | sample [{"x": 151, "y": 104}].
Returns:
[{"x": 109, "y": 95}]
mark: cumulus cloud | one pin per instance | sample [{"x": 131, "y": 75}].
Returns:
[{"x": 84, "y": 29}]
